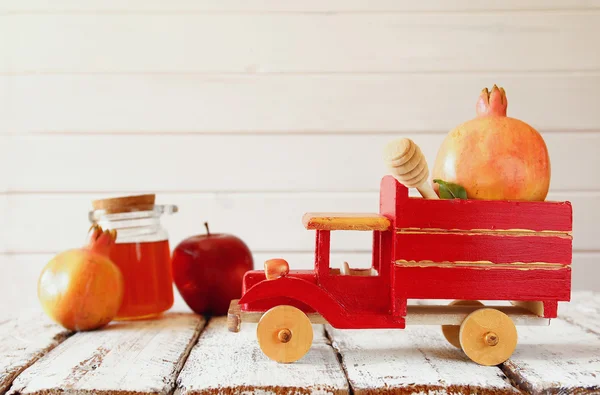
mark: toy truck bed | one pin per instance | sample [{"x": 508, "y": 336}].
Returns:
[{"x": 479, "y": 250}]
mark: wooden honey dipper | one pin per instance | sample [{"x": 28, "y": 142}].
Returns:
[{"x": 408, "y": 165}]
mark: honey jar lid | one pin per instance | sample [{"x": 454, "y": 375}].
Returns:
[{"x": 123, "y": 204}]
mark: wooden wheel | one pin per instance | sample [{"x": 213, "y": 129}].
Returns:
[
  {"x": 488, "y": 336},
  {"x": 451, "y": 331},
  {"x": 284, "y": 334}
]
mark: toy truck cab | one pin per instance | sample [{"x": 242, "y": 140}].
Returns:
[
  {"x": 347, "y": 297},
  {"x": 466, "y": 250}
]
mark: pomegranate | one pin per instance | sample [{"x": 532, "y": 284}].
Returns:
[
  {"x": 82, "y": 289},
  {"x": 493, "y": 156}
]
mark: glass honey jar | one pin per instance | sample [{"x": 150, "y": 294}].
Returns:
[{"x": 141, "y": 252}]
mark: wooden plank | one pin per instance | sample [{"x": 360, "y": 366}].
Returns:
[
  {"x": 4, "y": 219},
  {"x": 241, "y": 366},
  {"x": 562, "y": 358},
  {"x": 19, "y": 290},
  {"x": 414, "y": 360},
  {"x": 182, "y": 42},
  {"x": 5, "y": 92},
  {"x": 5, "y": 45},
  {"x": 483, "y": 249},
  {"x": 584, "y": 308},
  {"x": 305, "y": 6},
  {"x": 6, "y": 146},
  {"x": 444, "y": 314},
  {"x": 424, "y": 214},
  {"x": 126, "y": 357},
  {"x": 483, "y": 283},
  {"x": 585, "y": 270},
  {"x": 345, "y": 221},
  {"x": 271, "y": 156},
  {"x": 24, "y": 338},
  {"x": 334, "y": 103},
  {"x": 265, "y": 221}
]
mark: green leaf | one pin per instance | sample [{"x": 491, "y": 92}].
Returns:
[{"x": 449, "y": 190}]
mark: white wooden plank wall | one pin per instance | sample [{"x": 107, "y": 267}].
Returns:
[{"x": 249, "y": 113}]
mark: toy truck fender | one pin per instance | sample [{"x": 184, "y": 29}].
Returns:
[{"x": 302, "y": 291}]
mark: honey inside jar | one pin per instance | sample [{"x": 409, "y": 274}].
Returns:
[
  {"x": 146, "y": 269},
  {"x": 141, "y": 252}
]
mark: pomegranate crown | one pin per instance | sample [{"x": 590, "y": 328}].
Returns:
[
  {"x": 101, "y": 241},
  {"x": 492, "y": 103}
]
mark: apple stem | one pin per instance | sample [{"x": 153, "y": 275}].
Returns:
[{"x": 207, "y": 230}]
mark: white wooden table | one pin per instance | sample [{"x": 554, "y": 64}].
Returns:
[{"x": 184, "y": 354}]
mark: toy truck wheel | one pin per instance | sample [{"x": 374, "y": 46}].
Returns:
[
  {"x": 488, "y": 336},
  {"x": 451, "y": 331},
  {"x": 284, "y": 333}
]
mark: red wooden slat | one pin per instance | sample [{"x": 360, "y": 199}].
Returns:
[
  {"x": 483, "y": 284},
  {"x": 494, "y": 248},
  {"x": 476, "y": 214}
]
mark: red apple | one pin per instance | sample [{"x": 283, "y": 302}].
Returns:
[{"x": 208, "y": 271}]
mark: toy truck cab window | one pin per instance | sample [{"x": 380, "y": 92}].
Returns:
[{"x": 324, "y": 223}]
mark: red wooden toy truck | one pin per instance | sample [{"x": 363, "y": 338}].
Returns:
[{"x": 465, "y": 250}]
